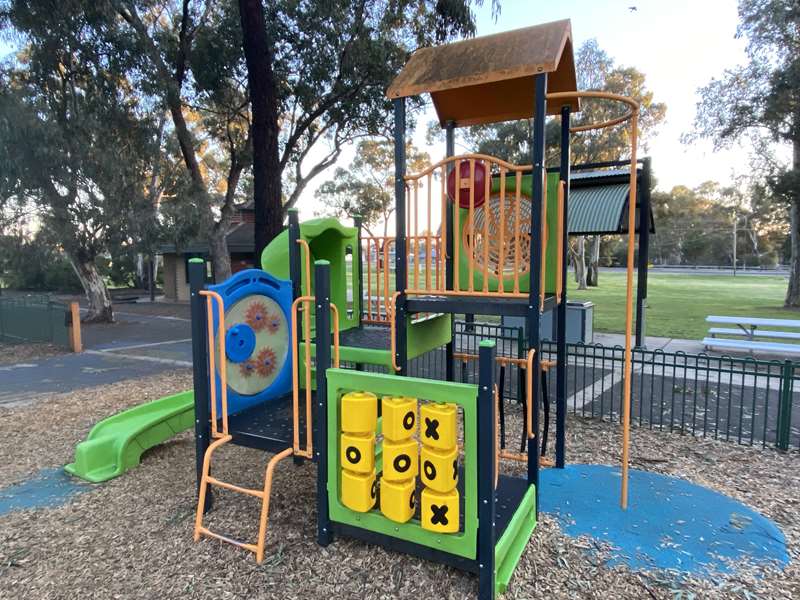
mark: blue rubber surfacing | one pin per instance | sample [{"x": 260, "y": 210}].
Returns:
[
  {"x": 47, "y": 489},
  {"x": 670, "y": 524}
]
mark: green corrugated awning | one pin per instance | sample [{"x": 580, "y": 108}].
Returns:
[{"x": 600, "y": 209}]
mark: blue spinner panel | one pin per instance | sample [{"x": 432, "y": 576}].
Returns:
[{"x": 257, "y": 338}]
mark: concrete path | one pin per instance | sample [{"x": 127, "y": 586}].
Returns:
[{"x": 145, "y": 340}]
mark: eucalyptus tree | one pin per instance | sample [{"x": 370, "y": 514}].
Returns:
[
  {"x": 75, "y": 140},
  {"x": 760, "y": 100}
]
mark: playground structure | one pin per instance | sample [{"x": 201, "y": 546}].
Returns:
[
  {"x": 424, "y": 477},
  {"x": 280, "y": 353}
]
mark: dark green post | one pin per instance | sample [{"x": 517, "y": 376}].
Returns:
[
  {"x": 784, "y": 425},
  {"x": 202, "y": 425},
  {"x": 486, "y": 470},
  {"x": 322, "y": 289}
]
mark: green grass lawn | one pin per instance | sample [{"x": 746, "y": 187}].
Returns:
[{"x": 677, "y": 305}]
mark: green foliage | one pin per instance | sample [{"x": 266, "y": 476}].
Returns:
[
  {"x": 759, "y": 101},
  {"x": 33, "y": 264},
  {"x": 366, "y": 187}
]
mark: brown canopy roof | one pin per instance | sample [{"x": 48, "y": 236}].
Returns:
[{"x": 489, "y": 79}]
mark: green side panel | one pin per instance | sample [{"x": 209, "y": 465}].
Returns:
[
  {"x": 427, "y": 334},
  {"x": 552, "y": 241},
  {"x": 116, "y": 444},
  {"x": 328, "y": 240},
  {"x": 509, "y": 548},
  {"x": 341, "y": 381},
  {"x": 424, "y": 335}
]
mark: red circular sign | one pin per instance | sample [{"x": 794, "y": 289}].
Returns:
[{"x": 463, "y": 193}]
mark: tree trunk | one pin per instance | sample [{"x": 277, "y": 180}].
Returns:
[
  {"x": 100, "y": 309},
  {"x": 220, "y": 257},
  {"x": 264, "y": 128},
  {"x": 593, "y": 270},
  {"x": 793, "y": 291},
  {"x": 578, "y": 261}
]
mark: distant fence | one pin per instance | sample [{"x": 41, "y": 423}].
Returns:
[
  {"x": 35, "y": 318},
  {"x": 749, "y": 401}
]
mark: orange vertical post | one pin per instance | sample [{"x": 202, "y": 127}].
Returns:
[{"x": 75, "y": 342}]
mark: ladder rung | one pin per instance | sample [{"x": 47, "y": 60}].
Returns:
[
  {"x": 222, "y": 538},
  {"x": 235, "y": 488}
]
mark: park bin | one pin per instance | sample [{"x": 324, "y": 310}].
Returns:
[{"x": 580, "y": 330}]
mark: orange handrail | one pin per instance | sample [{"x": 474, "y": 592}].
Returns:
[
  {"x": 212, "y": 297},
  {"x": 304, "y": 300},
  {"x": 543, "y": 234},
  {"x": 304, "y": 245},
  {"x": 529, "y": 393},
  {"x": 633, "y": 116}
]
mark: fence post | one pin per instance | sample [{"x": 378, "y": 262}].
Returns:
[
  {"x": 784, "y": 425},
  {"x": 75, "y": 342}
]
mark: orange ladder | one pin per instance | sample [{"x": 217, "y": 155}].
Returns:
[{"x": 221, "y": 436}]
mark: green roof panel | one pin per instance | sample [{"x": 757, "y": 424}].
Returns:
[{"x": 597, "y": 209}]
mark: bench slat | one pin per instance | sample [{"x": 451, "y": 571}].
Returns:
[
  {"x": 753, "y": 321},
  {"x": 776, "y": 347},
  {"x": 758, "y": 333}
]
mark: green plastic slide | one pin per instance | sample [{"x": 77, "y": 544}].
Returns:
[{"x": 116, "y": 444}]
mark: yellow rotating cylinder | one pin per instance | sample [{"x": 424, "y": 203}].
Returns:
[
  {"x": 439, "y": 467},
  {"x": 400, "y": 458},
  {"x": 357, "y": 450}
]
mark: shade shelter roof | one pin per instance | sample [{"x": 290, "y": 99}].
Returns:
[
  {"x": 491, "y": 78},
  {"x": 598, "y": 203}
]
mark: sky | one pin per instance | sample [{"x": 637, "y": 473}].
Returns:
[{"x": 680, "y": 45}]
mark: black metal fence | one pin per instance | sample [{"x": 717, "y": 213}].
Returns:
[
  {"x": 749, "y": 401},
  {"x": 35, "y": 318}
]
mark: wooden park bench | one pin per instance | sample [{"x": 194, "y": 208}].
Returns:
[{"x": 752, "y": 337}]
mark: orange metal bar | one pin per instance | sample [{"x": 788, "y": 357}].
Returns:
[
  {"x": 369, "y": 279},
  {"x": 223, "y": 371},
  {"x": 471, "y": 256},
  {"x": 262, "y": 523},
  {"x": 335, "y": 312},
  {"x": 633, "y": 116},
  {"x": 304, "y": 245},
  {"x": 470, "y": 156},
  {"x": 517, "y": 200},
  {"x": 626, "y": 407},
  {"x": 378, "y": 278},
  {"x": 235, "y": 488},
  {"x": 386, "y": 274},
  {"x": 457, "y": 237},
  {"x": 544, "y": 236},
  {"x": 501, "y": 255},
  {"x": 443, "y": 231},
  {"x": 428, "y": 237},
  {"x": 201, "y": 498},
  {"x": 415, "y": 235},
  {"x": 227, "y": 540},
  {"x": 560, "y": 249},
  {"x": 473, "y": 294},
  {"x": 487, "y": 214},
  {"x": 302, "y": 300},
  {"x": 529, "y": 392},
  {"x": 75, "y": 343},
  {"x": 502, "y": 360}
]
